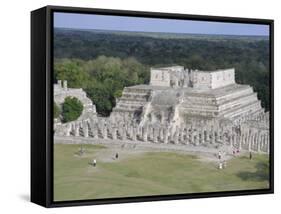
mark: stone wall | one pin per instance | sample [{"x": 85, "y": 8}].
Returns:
[{"x": 221, "y": 78}]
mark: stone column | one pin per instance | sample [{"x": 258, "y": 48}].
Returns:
[
  {"x": 113, "y": 133},
  {"x": 207, "y": 136},
  {"x": 150, "y": 133},
  {"x": 256, "y": 141},
  {"x": 130, "y": 132},
  {"x": 241, "y": 139},
  {"x": 234, "y": 140},
  {"x": 182, "y": 132},
  {"x": 144, "y": 134},
  {"x": 238, "y": 140},
  {"x": 77, "y": 130},
  {"x": 134, "y": 134},
  {"x": 124, "y": 133},
  {"x": 187, "y": 137},
  {"x": 68, "y": 129},
  {"x": 155, "y": 135},
  {"x": 191, "y": 136},
  {"x": 86, "y": 129},
  {"x": 213, "y": 140},
  {"x": 105, "y": 132},
  {"x": 161, "y": 134},
  {"x": 250, "y": 141},
  {"x": 259, "y": 142},
  {"x": 217, "y": 135},
  {"x": 165, "y": 140},
  {"x": 176, "y": 137},
  {"x": 245, "y": 140},
  {"x": 202, "y": 137}
]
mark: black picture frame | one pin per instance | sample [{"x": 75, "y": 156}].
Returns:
[{"x": 42, "y": 105}]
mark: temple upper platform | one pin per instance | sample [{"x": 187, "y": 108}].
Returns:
[{"x": 178, "y": 76}]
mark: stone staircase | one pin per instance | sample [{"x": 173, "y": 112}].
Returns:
[{"x": 132, "y": 99}]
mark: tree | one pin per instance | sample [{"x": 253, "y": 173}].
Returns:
[
  {"x": 71, "y": 109},
  {"x": 57, "y": 110},
  {"x": 72, "y": 71},
  {"x": 102, "y": 98}
]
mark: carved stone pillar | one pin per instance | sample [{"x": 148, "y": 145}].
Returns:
[
  {"x": 134, "y": 134},
  {"x": 182, "y": 132},
  {"x": 176, "y": 137},
  {"x": 86, "y": 129},
  {"x": 113, "y": 133},
  {"x": 144, "y": 135},
  {"x": 68, "y": 129},
  {"x": 155, "y": 135},
  {"x": 77, "y": 130},
  {"x": 166, "y": 136}
]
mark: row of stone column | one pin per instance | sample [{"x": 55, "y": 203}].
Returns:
[{"x": 244, "y": 139}]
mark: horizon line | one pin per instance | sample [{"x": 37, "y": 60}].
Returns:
[{"x": 183, "y": 33}]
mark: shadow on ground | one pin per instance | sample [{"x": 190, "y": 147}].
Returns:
[
  {"x": 24, "y": 197},
  {"x": 261, "y": 173}
]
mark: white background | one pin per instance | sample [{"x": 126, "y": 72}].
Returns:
[{"x": 15, "y": 105}]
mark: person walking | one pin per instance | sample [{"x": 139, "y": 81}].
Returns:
[
  {"x": 116, "y": 155},
  {"x": 94, "y": 163}
]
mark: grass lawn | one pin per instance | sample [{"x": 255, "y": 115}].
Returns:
[{"x": 151, "y": 173}]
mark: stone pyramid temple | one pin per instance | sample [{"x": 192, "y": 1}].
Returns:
[{"x": 177, "y": 95}]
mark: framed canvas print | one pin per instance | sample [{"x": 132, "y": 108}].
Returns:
[{"x": 134, "y": 106}]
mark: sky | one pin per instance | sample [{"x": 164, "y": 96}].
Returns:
[{"x": 123, "y": 23}]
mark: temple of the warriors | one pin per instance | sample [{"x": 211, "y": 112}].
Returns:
[
  {"x": 179, "y": 106},
  {"x": 178, "y": 95}
]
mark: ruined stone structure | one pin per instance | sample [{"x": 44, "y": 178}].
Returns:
[
  {"x": 177, "y": 95},
  {"x": 61, "y": 91},
  {"x": 185, "y": 107}
]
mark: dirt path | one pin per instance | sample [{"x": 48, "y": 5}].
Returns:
[{"x": 127, "y": 149}]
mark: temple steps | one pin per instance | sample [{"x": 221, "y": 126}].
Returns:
[
  {"x": 241, "y": 109},
  {"x": 132, "y": 100}
]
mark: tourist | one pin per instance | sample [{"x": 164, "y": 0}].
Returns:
[
  {"x": 94, "y": 163},
  {"x": 116, "y": 156},
  {"x": 219, "y": 155},
  {"x": 233, "y": 152},
  {"x": 250, "y": 156}
]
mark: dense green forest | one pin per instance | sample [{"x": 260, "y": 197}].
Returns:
[{"x": 103, "y": 62}]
